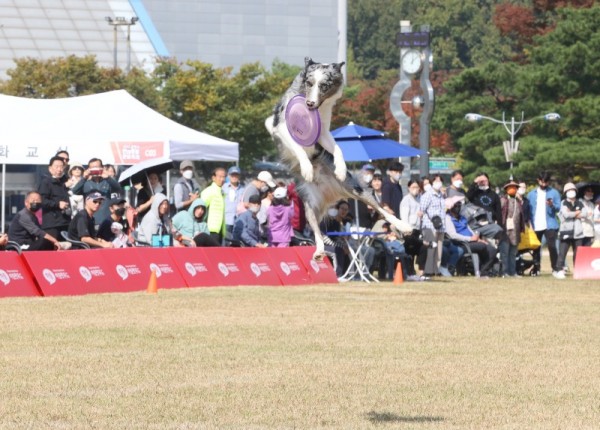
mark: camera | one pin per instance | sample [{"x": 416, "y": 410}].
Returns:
[{"x": 96, "y": 171}]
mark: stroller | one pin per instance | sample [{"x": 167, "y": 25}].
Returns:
[{"x": 526, "y": 264}]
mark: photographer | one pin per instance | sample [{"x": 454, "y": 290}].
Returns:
[
  {"x": 56, "y": 208},
  {"x": 96, "y": 179}
]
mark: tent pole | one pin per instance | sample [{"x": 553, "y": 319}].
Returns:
[{"x": 3, "y": 194}]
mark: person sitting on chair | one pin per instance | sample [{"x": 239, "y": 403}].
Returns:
[
  {"x": 193, "y": 228},
  {"x": 83, "y": 226},
  {"x": 457, "y": 228},
  {"x": 108, "y": 231},
  {"x": 246, "y": 229},
  {"x": 25, "y": 228}
]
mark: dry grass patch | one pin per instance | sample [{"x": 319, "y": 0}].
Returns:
[{"x": 446, "y": 355}]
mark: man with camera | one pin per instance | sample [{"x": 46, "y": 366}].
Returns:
[
  {"x": 56, "y": 209},
  {"x": 96, "y": 179}
]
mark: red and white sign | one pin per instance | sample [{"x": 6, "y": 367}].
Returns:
[
  {"x": 258, "y": 265},
  {"x": 194, "y": 266},
  {"x": 83, "y": 272},
  {"x": 130, "y": 272},
  {"x": 587, "y": 263},
  {"x": 15, "y": 278},
  {"x": 226, "y": 267},
  {"x": 134, "y": 152},
  {"x": 321, "y": 272},
  {"x": 289, "y": 266},
  {"x": 160, "y": 260}
]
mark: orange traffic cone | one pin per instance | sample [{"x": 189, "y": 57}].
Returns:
[
  {"x": 398, "y": 276},
  {"x": 152, "y": 283}
]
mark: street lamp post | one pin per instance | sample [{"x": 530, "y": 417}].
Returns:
[
  {"x": 116, "y": 22},
  {"x": 512, "y": 127}
]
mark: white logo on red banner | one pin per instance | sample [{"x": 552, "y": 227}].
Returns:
[
  {"x": 315, "y": 266},
  {"x": 122, "y": 271},
  {"x": 285, "y": 268},
  {"x": 189, "y": 267},
  {"x": 49, "y": 276},
  {"x": 255, "y": 269},
  {"x": 4, "y": 278},
  {"x": 154, "y": 268},
  {"x": 85, "y": 273},
  {"x": 595, "y": 264}
]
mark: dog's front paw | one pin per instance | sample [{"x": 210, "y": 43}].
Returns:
[
  {"x": 340, "y": 171},
  {"x": 306, "y": 170}
]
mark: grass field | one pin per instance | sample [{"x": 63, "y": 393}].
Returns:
[{"x": 451, "y": 354}]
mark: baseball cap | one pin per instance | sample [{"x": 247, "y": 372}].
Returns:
[
  {"x": 234, "y": 170},
  {"x": 116, "y": 201},
  {"x": 267, "y": 178},
  {"x": 254, "y": 198},
  {"x": 95, "y": 196},
  {"x": 368, "y": 166},
  {"x": 186, "y": 164},
  {"x": 76, "y": 165},
  {"x": 280, "y": 193}
]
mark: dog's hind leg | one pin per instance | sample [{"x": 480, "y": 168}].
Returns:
[{"x": 311, "y": 218}]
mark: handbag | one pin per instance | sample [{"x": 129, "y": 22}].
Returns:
[
  {"x": 529, "y": 240},
  {"x": 437, "y": 222}
]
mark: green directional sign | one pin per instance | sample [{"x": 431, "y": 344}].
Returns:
[{"x": 441, "y": 164}]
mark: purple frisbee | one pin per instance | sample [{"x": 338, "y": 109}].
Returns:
[{"x": 303, "y": 123}]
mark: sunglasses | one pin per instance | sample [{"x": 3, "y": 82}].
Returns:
[{"x": 96, "y": 202}]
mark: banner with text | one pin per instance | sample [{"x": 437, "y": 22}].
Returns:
[{"x": 15, "y": 278}]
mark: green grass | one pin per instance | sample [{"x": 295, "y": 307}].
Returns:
[{"x": 458, "y": 354}]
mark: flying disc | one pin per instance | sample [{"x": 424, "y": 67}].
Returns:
[{"x": 304, "y": 124}]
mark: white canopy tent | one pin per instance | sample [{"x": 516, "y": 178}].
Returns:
[{"x": 113, "y": 126}]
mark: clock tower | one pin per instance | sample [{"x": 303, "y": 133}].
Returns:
[{"x": 415, "y": 63}]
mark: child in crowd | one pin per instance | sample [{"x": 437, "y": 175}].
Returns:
[{"x": 279, "y": 216}]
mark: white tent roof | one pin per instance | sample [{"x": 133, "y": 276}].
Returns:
[{"x": 112, "y": 126}]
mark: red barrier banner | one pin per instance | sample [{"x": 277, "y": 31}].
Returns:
[
  {"x": 289, "y": 266},
  {"x": 258, "y": 265},
  {"x": 62, "y": 273},
  {"x": 226, "y": 267},
  {"x": 129, "y": 270},
  {"x": 193, "y": 265},
  {"x": 15, "y": 278},
  {"x": 160, "y": 260},
  {"x": 587, "y": 263},
  {"x": 321, "y": 272}
]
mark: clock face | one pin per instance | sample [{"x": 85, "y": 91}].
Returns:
[{"x": 412, "y": 62}]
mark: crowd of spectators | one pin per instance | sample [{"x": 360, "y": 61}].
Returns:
[{"x": 73, "y": 205}]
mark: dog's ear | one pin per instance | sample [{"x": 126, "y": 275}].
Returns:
[
  {"x": 308, "y": 62},
  {"x": 338, "y": 66}
]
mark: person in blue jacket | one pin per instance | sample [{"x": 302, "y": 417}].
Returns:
[{"x": 544, "y": 205}]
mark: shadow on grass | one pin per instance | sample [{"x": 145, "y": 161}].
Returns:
[{"x": 388, "y": 417}]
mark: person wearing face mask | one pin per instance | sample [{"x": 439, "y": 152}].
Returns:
[
  {"x": 433, "y": 208},
  {"x": 513, "y": 225},
  {"x": 186, "y": 189},
  {"x": 56, "y": 205},
  {"x": 358, "y": 210},
  {"x": 458, "y": 229},
  {"x": 246, "y": 229},
  {"x": 587, "y": 218},
  {"x": 482, "y": 195},
  {"x": 410, "y": 211},
  {"x": 571, "y": 229},
  {"x": 522, "y": 198},
  {"x": 544, "y": 205},
  {"x": 192, "y": 226},
  {"x": 456, "y": 183},
  {"x": 257, "y": 187},
  {"x": 335, "y": 221},
  {"x": 116, "y": 206},
  {"x": 25, "y": 228},
  {"x": 391, "y": 189}
]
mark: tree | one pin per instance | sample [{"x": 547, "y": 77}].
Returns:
[{"x": 560, "y": 74}]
